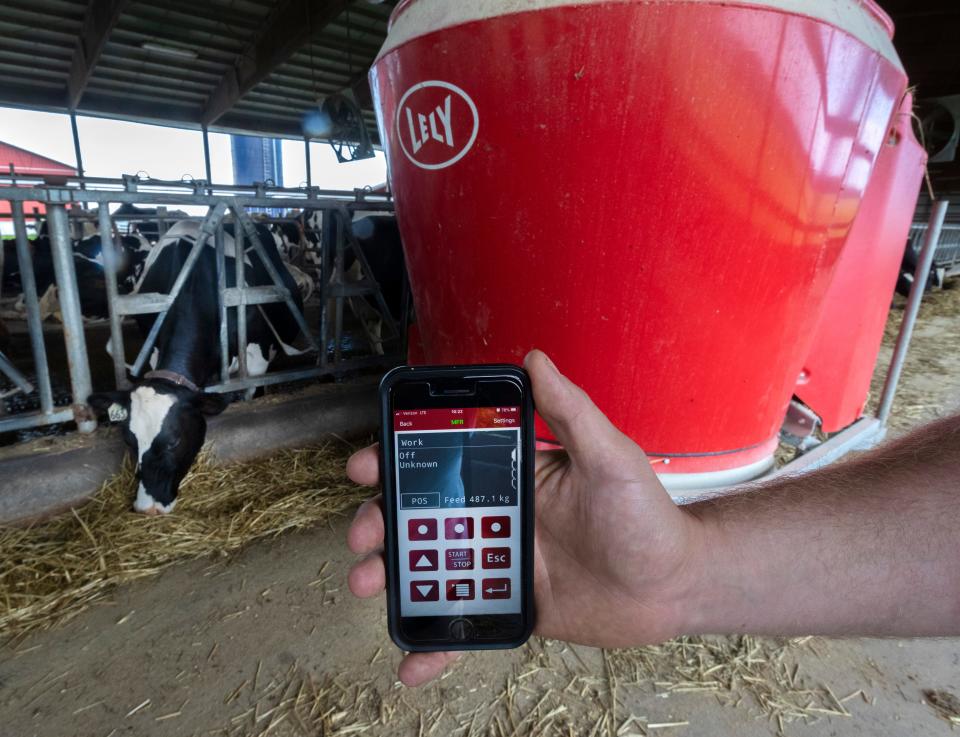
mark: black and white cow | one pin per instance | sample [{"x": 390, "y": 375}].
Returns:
[
  {"x": 298, "y": 237},
  {"x": 145, "y": 221},
  {"x": 379, "y": 239},
  {"x": 88, "y": 262},
  {"x": 166, "y": 413},
  {"x": 378, "y": 236}
]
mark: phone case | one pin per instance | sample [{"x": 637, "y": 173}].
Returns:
[{"x": 403, "y": 373}]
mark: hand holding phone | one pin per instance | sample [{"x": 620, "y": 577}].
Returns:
[{"x": 612, "y": 552}]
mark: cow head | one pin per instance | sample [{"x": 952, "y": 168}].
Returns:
[{"x": 164, "y": 425}]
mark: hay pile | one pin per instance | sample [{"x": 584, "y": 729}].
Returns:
[{"x": 55, "y": 570}]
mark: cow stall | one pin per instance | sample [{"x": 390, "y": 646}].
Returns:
[{"x": 344, "y": 325}]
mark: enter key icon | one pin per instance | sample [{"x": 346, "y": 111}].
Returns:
[{"x": 495, "y": 588}]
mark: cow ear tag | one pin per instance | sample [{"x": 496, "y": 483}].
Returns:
[{"x": 117, "y": 412}]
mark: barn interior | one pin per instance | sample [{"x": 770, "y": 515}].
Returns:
[
  {"x": 252, "y": 67},
  {"x": 275, "y": 70},
  {"x": 234, "y": 617}
]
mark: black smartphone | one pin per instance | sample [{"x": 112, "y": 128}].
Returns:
[{"x": 457, "y": 466}]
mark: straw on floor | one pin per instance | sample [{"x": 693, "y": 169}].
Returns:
[
  {"x": 53, "y": 571},
  {"x": 552, "y": 691}
]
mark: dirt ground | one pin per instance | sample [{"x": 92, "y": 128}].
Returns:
[{"x": 269, "y": 641}]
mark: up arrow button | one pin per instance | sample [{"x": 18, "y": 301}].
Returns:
[{"x": 424, "y": 560}]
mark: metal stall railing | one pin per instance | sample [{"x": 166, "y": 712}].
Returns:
[
  {"x": 946, "y": 253},
  {"x": 334, "y": 291}
]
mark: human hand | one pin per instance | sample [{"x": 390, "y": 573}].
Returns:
[{"x": 611, "y": 547}]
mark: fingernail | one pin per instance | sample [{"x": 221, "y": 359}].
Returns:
[{"x": 550, "y": 363}]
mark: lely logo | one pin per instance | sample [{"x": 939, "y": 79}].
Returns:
[{"x": 437, "y": 124}]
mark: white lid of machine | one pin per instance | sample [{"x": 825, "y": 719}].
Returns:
[{"x": 858, "y": 19}]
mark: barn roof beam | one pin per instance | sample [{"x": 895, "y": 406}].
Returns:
[
  {"x": 31, "y": 96},
  {"x": 293, "y": 25},
  {"x": 102, "y": 16}
]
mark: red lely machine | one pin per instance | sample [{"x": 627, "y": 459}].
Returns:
[{"x": 698, "y": 209}]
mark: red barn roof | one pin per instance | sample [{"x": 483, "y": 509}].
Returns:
[
  {"x": 29, "y": 164},
  {"x": 32, "y": 164}
]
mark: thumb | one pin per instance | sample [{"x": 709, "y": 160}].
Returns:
[{"x": 588, "y": 436}]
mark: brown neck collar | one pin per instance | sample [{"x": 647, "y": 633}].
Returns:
[{"x": 173, "y": 377}]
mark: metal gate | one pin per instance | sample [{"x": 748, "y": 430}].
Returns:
[{"x": 93, "y": 199}]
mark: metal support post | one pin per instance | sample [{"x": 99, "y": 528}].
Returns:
[
  {"x": 920, "y": 277},
  {"x": 29, "y": 284},
  {"x": 306, "y": 155},
  {"x": 328, "y": 236},
  {"x": 76, "y": 146},
  {"x": 239, "y": 252},
  {"x": 338, "y": 280},
  {"x": 222, "y": 304},
  {"x": 108, "y": 248},
  {"x": 206, "y": 155},
  {"x": 73, "y": 336}
]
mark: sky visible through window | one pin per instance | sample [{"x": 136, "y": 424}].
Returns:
[{"x": 111, "y": 148}]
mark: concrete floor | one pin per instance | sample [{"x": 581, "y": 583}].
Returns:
[
  {"x": 191, "y": 637},
  {"x": 205, "y": 640}
]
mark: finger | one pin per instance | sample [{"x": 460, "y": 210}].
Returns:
[
  {"x": 585, "y": 432},
  {"x": 366, "y": 531},
  {"x": 364, "y": 466},
  {"x": 419, "y": 668},
  {"x": 368, "y": 577}
]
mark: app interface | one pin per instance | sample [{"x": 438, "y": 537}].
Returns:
[{"x": 458, "y": 509}]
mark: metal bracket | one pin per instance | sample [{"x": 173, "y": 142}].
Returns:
[
  {"x": 57, "y": 195},
  {"x": 863, "y": 434},
  {"x": 799, "y": 427}
]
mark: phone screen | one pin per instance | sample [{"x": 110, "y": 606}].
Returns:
[{"x": 457, "y": 496}]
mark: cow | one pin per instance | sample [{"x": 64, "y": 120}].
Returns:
[
  {"x": 88, "y": 263},
  {"x": 299, "y": 239},
  {"x": 145, "y": 221},
  {"x": 379, "y": 239},
  {"x": 166, "y": 413}
]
